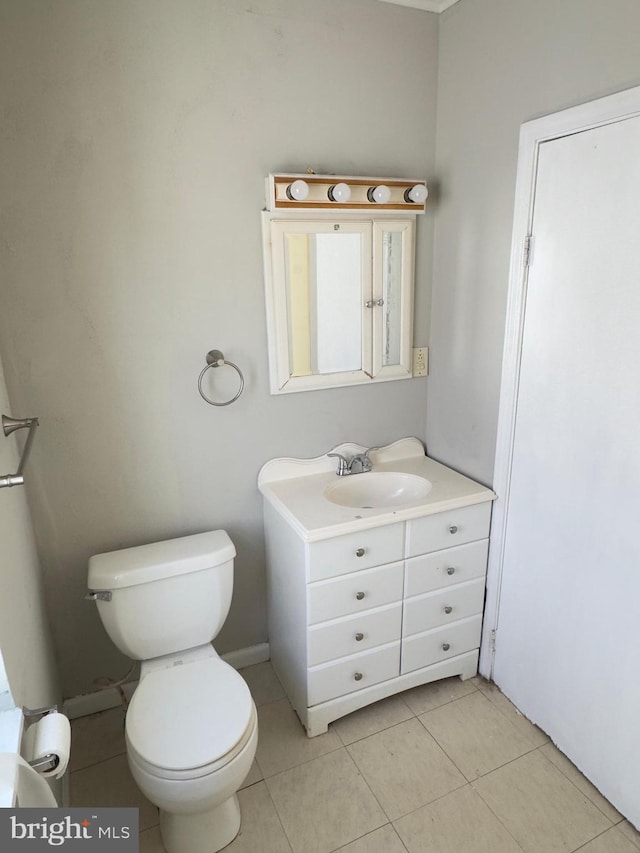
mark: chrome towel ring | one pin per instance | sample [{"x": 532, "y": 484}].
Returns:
[{"x": 216, "y": 359}]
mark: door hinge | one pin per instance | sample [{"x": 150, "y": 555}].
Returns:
[
  {"x": 527, "y": 258},
  {"x": 493, "y": 639}
]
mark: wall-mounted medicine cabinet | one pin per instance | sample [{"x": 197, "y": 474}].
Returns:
[{"x": 339, "y": 294}]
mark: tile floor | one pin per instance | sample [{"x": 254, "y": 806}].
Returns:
[{"x": 450, "y": 767}]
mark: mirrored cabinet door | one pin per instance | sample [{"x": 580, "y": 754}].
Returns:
[
  {"x": 339, "y": 301},
  {"x": 392, "y": 298},
  {"x": 321, "y": 275}
]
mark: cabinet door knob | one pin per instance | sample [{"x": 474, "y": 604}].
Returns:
[
  {"x": 446, "y": 647},
  {"x": 453, "y": 528},
  {"x": 450, "y": 570},
  {"x": 359, "y": 595},
  {"x": 358, "y": 676},
  {"x": 360, "y": 552},
  {"x": 448, "y": 609},
  {"x": 359, "y": 636}
]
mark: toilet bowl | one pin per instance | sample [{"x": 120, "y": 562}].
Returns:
[{"x": 191, "y": 727}]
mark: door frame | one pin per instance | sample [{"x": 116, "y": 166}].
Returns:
[{"x": 606, "y": 110}]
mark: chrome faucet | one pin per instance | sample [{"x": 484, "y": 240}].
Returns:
[
  {"x": 344, "y": 466},
  {"x": 358, "y": 464}
]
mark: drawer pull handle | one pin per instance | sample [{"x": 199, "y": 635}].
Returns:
[
  {"x": 453, "y": 528},
  {"x": 446, "y": 647},
  {"x": 358, "y": 676},
  {"x": 359, "y": 636},
  {"x": 448, "y": 609},
  {"x": 360, "y": 552},
  {"x": 450, "y": 570},
  {"x": 359, "y": 595}
]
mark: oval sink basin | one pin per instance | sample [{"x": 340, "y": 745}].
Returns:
[{"x": 374, "y": 490}]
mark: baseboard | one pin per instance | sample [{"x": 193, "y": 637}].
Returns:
[
  {"x": 93, "y": 703},
  {"x": 247, "y": 657},
  {"x": 103, "y": 700}
]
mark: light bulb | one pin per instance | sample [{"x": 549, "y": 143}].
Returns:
[
  {"x": 380, "y": 195},
  {"x": 298, "y": 190},
  {"x": 417, "y": 194},
  {"x": 339, "y": 192}
]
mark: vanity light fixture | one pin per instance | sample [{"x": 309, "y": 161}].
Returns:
[
  {"x": 339, "y": 192},
  {"x": 417, "y": 194},
  {"x": 290, "y": 192},
  {"x": 379, "y": 195},
  {"x": 298, "y": 190}
]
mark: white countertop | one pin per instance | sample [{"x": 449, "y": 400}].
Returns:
[{"x": 295, "y": 488}]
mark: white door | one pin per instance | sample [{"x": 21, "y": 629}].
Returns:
[{"x": 568, "y": 633}]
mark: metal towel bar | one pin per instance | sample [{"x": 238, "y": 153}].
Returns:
[{"x": 10, "y": 425}]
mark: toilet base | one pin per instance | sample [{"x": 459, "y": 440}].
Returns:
[{"x": 203, "y": 832}]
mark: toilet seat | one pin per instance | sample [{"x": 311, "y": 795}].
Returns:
[{"x": 190, "y": 719}]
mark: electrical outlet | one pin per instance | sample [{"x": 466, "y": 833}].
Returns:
[{"x": 420, "y": 361}]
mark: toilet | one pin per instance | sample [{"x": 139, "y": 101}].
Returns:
[{"x": 191, "y": 727}]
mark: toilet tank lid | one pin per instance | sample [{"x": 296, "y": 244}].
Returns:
[{"x": 159, "y": 560}]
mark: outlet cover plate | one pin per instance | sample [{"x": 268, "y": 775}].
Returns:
[{"x": 420, "y": 361}]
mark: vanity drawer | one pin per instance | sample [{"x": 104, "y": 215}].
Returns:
[
  {"x": 433, "y": 646},
  {"x": 353, "y": 673},
  {"x": 444, "y": 568},
  {"x": 442, "y": 607},
  {"x": 354, "y": 593},
  {"x": 353, "y": 634},
  {"x": 356, "y": 551},
  {"x": 446, "y": 529}
]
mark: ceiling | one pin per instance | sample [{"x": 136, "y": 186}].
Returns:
[{"x": 426, "y": 5}]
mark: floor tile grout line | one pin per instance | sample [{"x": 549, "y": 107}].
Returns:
[
  {"x": 599, "y": 835},
  {"x": 371, "y": 734},
  {"x": 581, "y": 792},
  {"x": 360, "y": 837},
  {"x": 632, "y": 840},
  {"x": 96, "y": 763},
  {"x": 466, "y": 785},
  {"x": 277, "y": 813},
  {"x": 388, "y": 820},
  {"x": 391, "y": 820},
  {"x": 503, "y": 714},
  {"x": 300, "y": 763},
  {"x": 447, "y": 702},
  {"x": 366, "y": 782},
  {"x": 481, "y": 775},
  {"x": 439, "y": 745},
  {"x": 435, "y": 800},
  {"x": 414, "y": 715},
  {"x": 516, "y": 710},
  {"x": 398, "y": 837},
  {"x": 613, "y": 823},
  {"x": 497, "y": 816}
]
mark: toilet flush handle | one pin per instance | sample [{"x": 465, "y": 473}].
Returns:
[{"x": 98, "y": 595}]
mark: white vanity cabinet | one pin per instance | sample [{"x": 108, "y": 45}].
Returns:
[
  {"x": 444, "y": 588},
  {"x": 368, "y": 603}
]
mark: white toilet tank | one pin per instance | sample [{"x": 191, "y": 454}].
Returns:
[{"x": 167, "y": 596}]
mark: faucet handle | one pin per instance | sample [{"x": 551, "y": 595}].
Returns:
[
  {"x": 344, "y": 466},
  {"x": 361, "y": 463}
]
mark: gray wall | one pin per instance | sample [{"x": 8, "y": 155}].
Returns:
[
  {"x": 501, "y": 62},
  {"x": 136, "y": 137}
]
